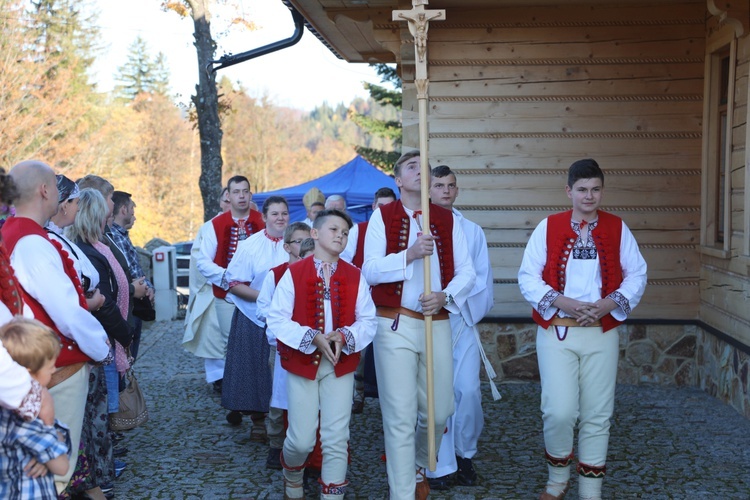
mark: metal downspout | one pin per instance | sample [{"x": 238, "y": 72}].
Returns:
[{"x": 232, "y": 59}]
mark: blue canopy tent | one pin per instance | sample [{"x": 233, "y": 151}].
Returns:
[{"x": 356, "y": 181}]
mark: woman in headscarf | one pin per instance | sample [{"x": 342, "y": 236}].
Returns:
[{"x": 66, "y": 214}]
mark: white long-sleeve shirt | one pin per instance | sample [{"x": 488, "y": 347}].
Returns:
[
  {"x": 351, "y": 244},
  {"x": 251, "y": 262},
  {"x": 481, "y": 297},
  {"x": 381, "y": 268},
  {"x": 583, "y": 279},
  {"x": 204, "y": 260},
  {"x": 40, "y": 272}
]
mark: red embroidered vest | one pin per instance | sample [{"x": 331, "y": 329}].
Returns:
[
  {"x": 11, "y": 293},
  {"x": 308, "y": 311},
  {"x": 279, "y": 271},
  {"x": 359, "y": 254},
  {"x": 396, "y": 224},
  {"x": 227, "y": 237},
  {"x": 560, "y": 241},
  {"x": 13, "y": 230}
]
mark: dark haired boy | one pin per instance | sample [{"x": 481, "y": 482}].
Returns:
[
  {"x": 583, "y": 274},
  {"x": 323, "y": 316},
  {"x": 217, "y": 247}
]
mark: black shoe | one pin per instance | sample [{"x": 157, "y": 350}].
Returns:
[
  {"x": 310, "y": 482},
  {"x": 120, "y": 451},
  {"x": 217, "y": 385},
  {"x": 358, "y": 406},
  {"x": 441, "y": 483},
  {"x": 109, "y": 490},
  {"x": 234, "y": 418},
  {"x": 274, "y": 459},
  {"x": 466, "y": 475}
]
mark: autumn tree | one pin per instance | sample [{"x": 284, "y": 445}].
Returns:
[
  {"x": 381, "y": 121},
  {"x": 142, "y": 72},
  {"x": 277, "y": 147},
  {"x": 206, "y": 102},
  {"x": 45, "y": 52}
]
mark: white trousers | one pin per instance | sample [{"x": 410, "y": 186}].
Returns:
[
  {"x": 215, "y": 366},
  {"x": 333, "y": 395},
  {"x": 400, "y": 364},
  {"x": 69, "y": 397},
  {"x": 465, "y": 425},
  {"x": 578, "y": 383}
]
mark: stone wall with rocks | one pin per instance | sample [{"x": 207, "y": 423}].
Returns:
[
  {"x": 723, "y": 371},
  {"x": 680, "y": 355}
]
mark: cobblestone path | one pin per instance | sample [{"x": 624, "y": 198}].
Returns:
[{"x": 666, "y": 443}]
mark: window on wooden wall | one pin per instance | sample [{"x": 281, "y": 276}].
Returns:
[
  {"x": 717, "y": 147},
  {"x": 721, "y": 153}
]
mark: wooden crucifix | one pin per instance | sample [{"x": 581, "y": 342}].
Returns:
[{"x": 419, "y": 22}]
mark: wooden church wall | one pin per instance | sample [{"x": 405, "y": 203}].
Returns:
[
  {"x": 725, "y": 281},
  {"x": 518, "y": 94}
]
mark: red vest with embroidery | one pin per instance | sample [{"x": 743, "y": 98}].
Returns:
[
  {"x": 279, "y": 271},
  {"x": 396, "y": 224},
  {"x": 308, "y": 311},
  {"x": 11, "y": 293},
  {"x": 13, "y": 230},
  {"x": 560, "y": 242},
  {"x": 359, "y": 255},
  {"x": 227, "y": 238}
]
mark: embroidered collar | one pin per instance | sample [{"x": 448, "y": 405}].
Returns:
[
  {"x": 319, "y": 267},
  {"x": 275, "y": 239}
]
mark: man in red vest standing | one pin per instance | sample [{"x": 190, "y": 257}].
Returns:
[
  {"x": 583, "y": 274},
  {"x": 216, "y": 251},
  {"x": 395, "y": 246},
  {"x": 52, "y": 290}
]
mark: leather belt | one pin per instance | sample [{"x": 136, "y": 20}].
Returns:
[
  {"x": 64, "y": 373},
  {"x": 393, "y": 312},
  {"x": 557, "y": 321}
]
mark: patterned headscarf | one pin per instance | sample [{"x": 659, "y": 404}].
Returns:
[{"x": 67, "y": 188}]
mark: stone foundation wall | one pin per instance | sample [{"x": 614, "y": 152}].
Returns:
[
  {"x": 723, "y": 371},
  {"x": 680, "y": 355}
]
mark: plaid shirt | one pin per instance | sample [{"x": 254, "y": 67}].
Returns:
[
  {"x": 22, "y": 441},
  {"x": 120, "y": 237}
]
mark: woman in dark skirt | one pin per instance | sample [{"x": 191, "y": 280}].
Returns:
[{"x": 247, "y": 373}]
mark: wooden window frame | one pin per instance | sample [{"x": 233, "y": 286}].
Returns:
[{"x": 722, "y": 42}]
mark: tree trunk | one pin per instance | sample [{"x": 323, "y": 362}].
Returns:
[{"x": 206, "y": 103}]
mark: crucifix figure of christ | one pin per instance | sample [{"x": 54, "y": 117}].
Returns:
[{"x": 419, "y": 22}]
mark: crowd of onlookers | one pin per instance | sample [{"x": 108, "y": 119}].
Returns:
[{"x": 70, "y": 279}]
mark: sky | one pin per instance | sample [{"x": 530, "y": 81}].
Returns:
[{"x": 302, "y": 76}]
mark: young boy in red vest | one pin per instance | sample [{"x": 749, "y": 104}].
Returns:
[
  {"x": 583, "y": 274},
  {"x": 323, "y": 316}
]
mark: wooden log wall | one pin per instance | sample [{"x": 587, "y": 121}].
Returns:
[
  {"x": 725, "y": 281},
  {"x": 517, "y": 94}
]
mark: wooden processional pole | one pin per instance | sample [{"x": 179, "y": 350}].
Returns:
[{"x": 419, "y": 22}]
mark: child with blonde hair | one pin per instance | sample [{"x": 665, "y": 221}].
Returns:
[{"x": 32, "y": 452}]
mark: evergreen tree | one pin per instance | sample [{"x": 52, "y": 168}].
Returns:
[
  {"x": 385, "y": 127},
  {"x": 142, "y": 73}
]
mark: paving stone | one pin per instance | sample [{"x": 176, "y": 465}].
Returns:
[{"x": 666, "y": 442}]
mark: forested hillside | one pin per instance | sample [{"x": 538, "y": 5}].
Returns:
[{"x": 137, "y": 136}]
